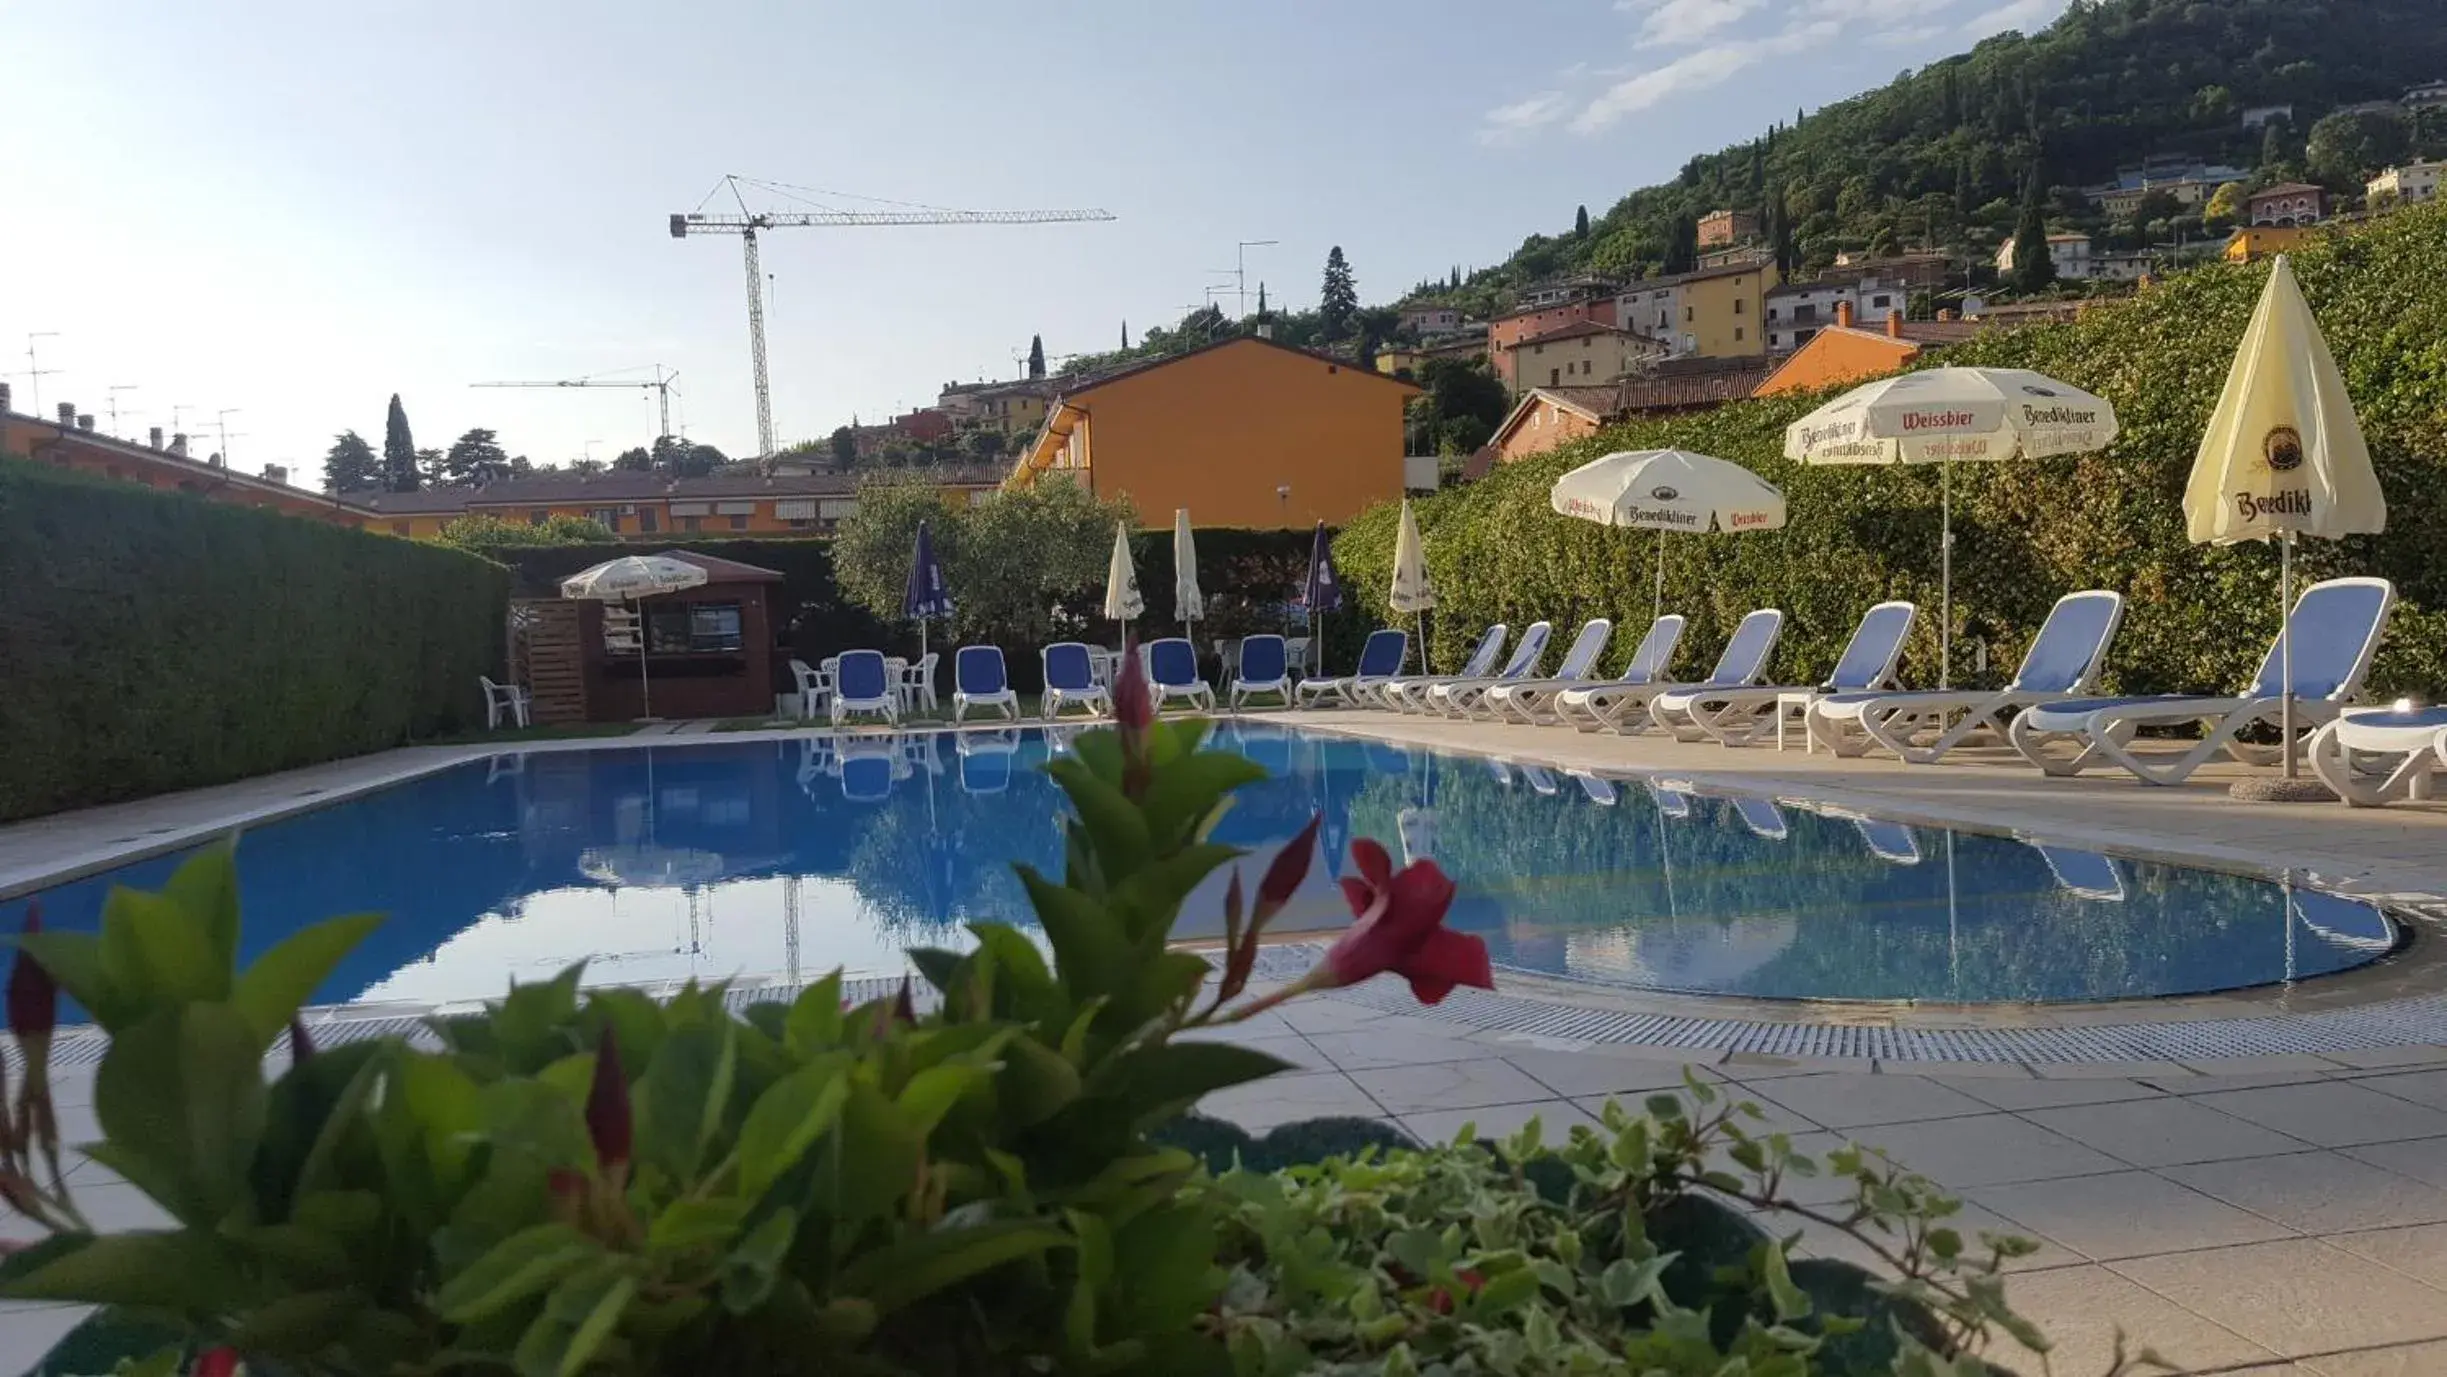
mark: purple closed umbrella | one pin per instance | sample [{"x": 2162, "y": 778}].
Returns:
[
  {"x": 928, "y": 596},
  {"x": 1322, "y": 593}
]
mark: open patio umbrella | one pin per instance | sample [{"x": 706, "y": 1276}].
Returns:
[
  {"x": 1122, "y": 600},
  {"x": 1188, "y": 603},
  {"x": 1321, "y": 592},
  {"x": 1668, "y": 490},
  {"x": 634, "y": 578},
  {"x": 1411, "y": 592},
  {"x": 928, "y": 595},
  {"x": 2283, "y": 457},
  {"x": 1939, "y": 415}
]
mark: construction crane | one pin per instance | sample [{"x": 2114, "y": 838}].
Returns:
[
  {"x": 661, "y": 383},
  {"x": 747, "y": 223}
]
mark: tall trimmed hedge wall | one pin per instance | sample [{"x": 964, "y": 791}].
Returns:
[
  {"x": 155, "y": 641},
  {"x": 1245, "y": 575},
  {"x": 2198, "y": 617}
]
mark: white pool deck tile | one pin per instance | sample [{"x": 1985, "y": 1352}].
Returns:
[{"x": 2265, "y": 1214}]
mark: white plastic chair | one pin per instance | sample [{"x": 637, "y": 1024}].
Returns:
[
  {"x": 815, "y": 687},
  {"x": 2381, "y": 755},
  {"x": 918, "y": 683},
  {"x": 500, "y": 699}
]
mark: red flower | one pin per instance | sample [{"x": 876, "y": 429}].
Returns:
[
  {"x": 219, "y": 1362},
  {"x": 607, "y": 1105},
  {"x": 904, "y": 1009},
  {"x": 1290, "y": 867},
  {"x": 1399, "y": 927},
  {"x": 33, "y": 998},
  {"x": 1133, "y": 703}
]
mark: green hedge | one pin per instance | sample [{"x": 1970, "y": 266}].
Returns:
[
  {"x": 2025, "y": 532},
  {"x": 152, "y": 641},
  {"x": 1246, "y": 576}
]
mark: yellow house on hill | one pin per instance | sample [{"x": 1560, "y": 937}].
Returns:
[
  {"x": 1244, "y": 432},
  {"x": 2251, "y": 243}
]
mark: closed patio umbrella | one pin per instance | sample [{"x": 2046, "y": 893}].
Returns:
[
  {"x": 1122, "y": 600},
  {"x": 1668, "y": 490},
  {"x": 928, "y": 596},
  {"x": 1939, "y": 415},
  {"x": 1188, "y": 603},
  {"x": 2283, "y": 457},
  {"x": 634, "y": 578},
  {"x": 1411, "y": 590},
  {"x": 1321, "y": 592}
]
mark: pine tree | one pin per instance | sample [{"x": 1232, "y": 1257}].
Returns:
[
  {"x": 2034, "y": 269},
  {"x": 476, "y": 457},
  {"x": 351, "y": 465},
  {"x": 1339, "y": 298},
  {"x": 1125, "y": 334},
  {"x": 1580, "y": 224},
  {"x": 1261, "y": 299},
  {"x": 1036, "y": 356},
  {"x": 399, "y": 471}
]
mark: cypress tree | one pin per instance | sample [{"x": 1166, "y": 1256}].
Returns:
[{"x": 399, "y": 469}]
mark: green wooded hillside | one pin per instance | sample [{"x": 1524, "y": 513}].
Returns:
[
  {"x": 1942, "y": 154},
  {"x": 2025, "y": 532}
]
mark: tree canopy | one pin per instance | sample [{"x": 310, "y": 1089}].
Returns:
[
  {"x": 351, "y": 465},
  {"x": 400, "y": 470}
]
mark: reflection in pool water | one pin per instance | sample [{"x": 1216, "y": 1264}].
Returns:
[{"x": 787, "y": 859}]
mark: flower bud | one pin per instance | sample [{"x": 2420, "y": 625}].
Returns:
[
  {"x": 607, "y": 1105},
  {"x": 218, "y": 1362},
  {"x": 1289, "y": 868},
  {"x": 301, "y": 1046},
  {"x": 33, "y": 998},
  {"x": 1133, "y": 701}
]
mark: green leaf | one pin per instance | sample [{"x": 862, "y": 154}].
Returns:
[
  {"x": 189, "y": 1270},
  {"x": 684, "y": 1095},
  {"x": 1504, "y": 1293},
  {"x": 525, "y": 1264},
  {"x": 1154, "y": 1081},
  {"x": 272, "y": 990},
  {"x": 300, "y": 1324},
  {"x": 206, "y": 886},
  {"x": 936, "y": 966},
  {"x": 1790, "y": 1301},
  {"x": 1095, "y": 1268},
  {"x": 916, "y": 1267},
  {"x": 1183, "y": 793},
  {"x": 74, "y": 962},
  {"x": 581, "y": 1314},
  {"x": 634, "y": 1017},
  {"x": 931, "y": 1093},
  {"x": 1037, "y": 1082},
  {"x": 157, "y": 953},
  {"x": 181, "y": 1098},
  {"x": 869, "y": 1163},
  {"x": 748, "y": 1273},
  {"x": 1150, "y": 899},
  {"x": 692, "y": 1223},
  {"x": 1091, "y": 955},
  {"x": 786, "y": 1120},
  {"x": 814, "y": 1024},
  {"x": 1114, "y": 824}
]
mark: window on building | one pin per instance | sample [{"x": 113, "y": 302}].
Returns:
[
  {"x": 1737, "y": 334},
  {"x": 699, "y": 628},
  {"x": 648, "y": 520},
  {"x": 739, "y": 523},
  {"x": 800, "y": 523},
  {"x": 689, "y": 523},
  {"x": 1554, "y": 377},
  {"x": 609, "y": 517},
  {"x": 1880, "y": 302},
  {"x": 1740, "y": 305},
  {"x": 1689, "y": 314}
]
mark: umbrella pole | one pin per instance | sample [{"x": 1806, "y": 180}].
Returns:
[
  {"x": 1657, "y": 608},
  {"x": 645, "y": 691},
  {"x": 2285, "y": 648},
  {"x": 1945, "y": 565}
]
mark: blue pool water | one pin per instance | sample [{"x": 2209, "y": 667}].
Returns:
[{"x": 764, "y": 859}]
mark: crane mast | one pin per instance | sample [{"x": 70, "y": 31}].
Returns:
[{"x": 748, "y": 223}]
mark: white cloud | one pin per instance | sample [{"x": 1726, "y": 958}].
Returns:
[
  {"x": 1677, "y": 23},
  {"x": 2026, "y": 15},
  {"x": 1691, "y": 72},
  {"x": 1509, "y": 122}
]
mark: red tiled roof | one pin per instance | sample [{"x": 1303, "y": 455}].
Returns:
[
  {"x": 1680, "y": 383},
  {"x": 1574, "y": 330},
  {"x": 628, "y": 485}
]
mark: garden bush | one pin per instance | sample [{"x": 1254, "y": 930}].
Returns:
[
  {"x": 152, "y": 641},
  {"x": 2198, "y": 617},
  {"x": 608, "y": 1184}
]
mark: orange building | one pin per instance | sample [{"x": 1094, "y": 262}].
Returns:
[
  {"x": 649, "y": 504},
  {"x": 1843, "y": 353},
  {"x": 1244, "y": 432},
  {"x": 71, "y": 443},
  {"x": 1546, "y": 417}
]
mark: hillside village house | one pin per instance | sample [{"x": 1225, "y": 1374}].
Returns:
[
  {"x": 71, "y": 442},
  {"x": 1243, "y": 432},
  {"x": 2251, "y": 243},
  {"x": 1714, "y": 312},
  {"x": 2408, "y": 184},
  {"x": 1512, "y": 327},
  {"x": 2430, "y": 95},
  {"x": 2286, "y": 204},
  {"x": 1845, "y": 353},
  {"x": 1425, "y": 321},
  {"x": 1399, "y": 359},
  {"x": 1581, "y": 353},
  {"x": 633, "y": 504},
  {"x": 1719, "y": 228},
  {"x": 2071, "y": 252},
  {"x": 1011, "y": 408},
  {"x": 1549, "y": 416}
]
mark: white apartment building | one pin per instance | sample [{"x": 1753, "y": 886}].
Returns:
[{"x": 2408, "y": 184}]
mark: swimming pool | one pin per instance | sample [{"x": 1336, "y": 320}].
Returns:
[{"x": 785, "y": 859}]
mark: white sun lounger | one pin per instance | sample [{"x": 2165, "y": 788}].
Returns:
[
  {"x": 1410, "y": 694},
  {"x": 1379, "y": 661},
  {"x": 1577, "y": 664},
  {"x": 2063, "y": 662},
  {"x": 1736, "y": 716},
  {"x": 1455, "y": 697},
  {"x": 1530, "y": 700},
  {"x": 1585, "y": 706},
  {"x": 2382, "y": 755},
  {"x": 1624, "y": 705},
  {"x": 2336, "y": 628}
]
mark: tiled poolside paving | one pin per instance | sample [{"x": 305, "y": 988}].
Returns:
[{"x": 2280, "y": 1212}]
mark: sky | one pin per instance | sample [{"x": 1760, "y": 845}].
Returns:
[{"x": 290, "y": 211}]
